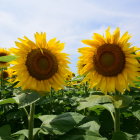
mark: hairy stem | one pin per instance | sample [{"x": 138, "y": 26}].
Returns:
[
  {"x": 117, "y": 120},
  {"x": 31, "y": 121}
]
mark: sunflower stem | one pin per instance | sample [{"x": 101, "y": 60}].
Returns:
[
  {"x": 113, "y": 117},
  {"x": 1, "y": 80},
  {"x": 26, "y": 112},
  {"x": 51, "y": 95},
  {"x": 86, "y": 88},
  {"x": 117, "y": 116},
  {"x": 117, "y": 120},
  {"x": 31, "y": 121}
]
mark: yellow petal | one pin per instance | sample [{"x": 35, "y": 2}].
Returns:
[
  {"x": 108, "y": 35},
  {"x": 99, "y": 38},
  {"x": 116, "y": 36},
  {"x": 92, "y": 43}
]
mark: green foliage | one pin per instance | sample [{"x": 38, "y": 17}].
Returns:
[
  {"x": 67, "y": 124},
  {"x": 9, "y": 100},
  {"x": 27, "y": 97},
  {"x": 8, "y": 58},
  {"x": 137, "y": 114},
  {"x": 121, "y": 101},
  {"x": 135, "y": 137},
  {"x": 61, "y": 124},
  {"x": 119, "y": 136},
  {"x": 97, "y": 100},
  {"x": 87, "y": 136},
  {"x": 74, "y": 113},
  {"x": 5, "y": 131},
  {"x": 24, "y": 133},
  {"x": 135, "y": 107}
]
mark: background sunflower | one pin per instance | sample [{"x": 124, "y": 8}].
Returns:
[{"x": 4, "y": 52}]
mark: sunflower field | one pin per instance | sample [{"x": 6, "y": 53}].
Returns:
[{"x": 42, "y": 99}]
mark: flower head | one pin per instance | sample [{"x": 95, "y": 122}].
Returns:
[
  {"x": 110, "y": 62},
  {"x": 4, "y": 52},
  {"x": 40, "y": 65}
]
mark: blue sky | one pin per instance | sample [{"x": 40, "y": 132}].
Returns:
[{"x": 70, "y": 21}]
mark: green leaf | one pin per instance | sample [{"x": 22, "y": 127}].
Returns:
[
  {"x": 20, "y": 137},
  {"x": 47, "y": 118},
  {"x": 8, "y": 138},
  {"x": 61, "y": 124},
  {"x": 21, "y": 132},
  {"x": 5, "y": 130},
  {"x": 135, "y": 107},
  {"x": 121, "y": 101},
  {"x": 26, "y": 99},
  {"x": 129, "y": 135},
  {"x": 136, "y": 114},
  {"x": 91, "y": 126},
  {"x": 109, "y": 107},
  {"x": 120, "y": 136},
  {"x": 9, "y": 100},
  {"x": 24, "y": 132},
  {"x": 94, "y": 100},
  {"x": 77, "y": 134},
  {"x": 82, "y": 137},
  {"x": 136, "y": 137},
  {"x": 8, "y": 58}
]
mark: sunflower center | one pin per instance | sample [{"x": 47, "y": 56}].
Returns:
[
  {"x": 5, "y": 75},
  {"x": 43, "y": 63},
  {"x": 109, "y": 60},
  {"x": 2, "y": 54},
  {"x": 41, "y": 66}
]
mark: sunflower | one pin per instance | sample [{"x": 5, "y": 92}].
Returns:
[
  {"x": 110, "y": 60},
  {"x": 40, "y": 65},
  {"x": 4, "y": 52},
  {"x": 11, "y": 75},
  {"x": 138, "y": 56},
  {"x": 69, "y": 76},
  {"x": 80, "y": 65},
  {"x": 5, "y": 74}
]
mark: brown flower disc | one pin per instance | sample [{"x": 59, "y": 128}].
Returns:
[
  {"x": 109, "y": 60},
  {"x": 41, "y": 64},
  {"x": 4, "y": 74}
]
